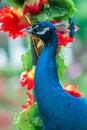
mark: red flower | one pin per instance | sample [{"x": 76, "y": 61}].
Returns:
[
  {"x": 13, "y": 21},
  {"x": 27, "y": 78},
  {"x": 34, "y": 8},
  {"x": 29, "y": 101},
  {"x": 63, "y": 39},
  {"x": 72, "y": 90}
]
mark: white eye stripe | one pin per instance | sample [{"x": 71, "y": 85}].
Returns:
[
  {"x": 35, "y": 27},
  {"x": 44, "y": 31}
]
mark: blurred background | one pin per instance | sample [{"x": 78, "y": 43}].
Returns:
[{"x": 12, "y": 96}]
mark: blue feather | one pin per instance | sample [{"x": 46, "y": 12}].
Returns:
[{"x": 71, "y": 28}]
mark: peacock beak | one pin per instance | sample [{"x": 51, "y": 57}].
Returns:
[{"x": 27, "y": 30}]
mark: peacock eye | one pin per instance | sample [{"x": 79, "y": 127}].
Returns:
[{"x": 40, "y": 29}]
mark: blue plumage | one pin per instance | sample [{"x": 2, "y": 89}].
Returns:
[
  {"x": 58, "y": 109},
  {"x": 72, "y": 30}
]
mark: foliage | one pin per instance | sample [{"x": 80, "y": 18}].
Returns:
[
  {"x": 29, "y": 119},
  {"x": 26, "y": 58},
  {"x": 16, "y": 3},
  {"x": 47, "y": 15},
  {"x": 67, "y": 5},
  {"x": 61, "y": 67},
  {"x": 58, "y": 10}
]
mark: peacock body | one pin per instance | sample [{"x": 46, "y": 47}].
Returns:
[{"x": 58, "y": 109}]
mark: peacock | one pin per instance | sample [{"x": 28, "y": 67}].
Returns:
[{"x": 58, "y": 109}]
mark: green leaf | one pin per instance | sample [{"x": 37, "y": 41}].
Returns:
[
  {"x": 29, "y": 119},
  {"x": 34, "y": 116},
  {"x": 27, "y": 58},
  {"x": 45, "y": 6},
  {"x": 26, "y": 61},
  {"x": 47, "y": 15},
  {"x": 16, "y": 3},
  {"x": 61, "y": 67},
  {"x": 21, "y": 121},
  {"x": 67, "y": 5},
  {"x": 58, "y": 10}
]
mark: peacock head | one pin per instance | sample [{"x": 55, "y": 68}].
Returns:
[
  {"x": 45, "y": 28},
  {"x": 42, "y": 30}
]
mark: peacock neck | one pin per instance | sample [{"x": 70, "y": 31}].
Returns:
[
  {"x": 51, "y": 44},
  {"x": 46, "y": 72}
]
